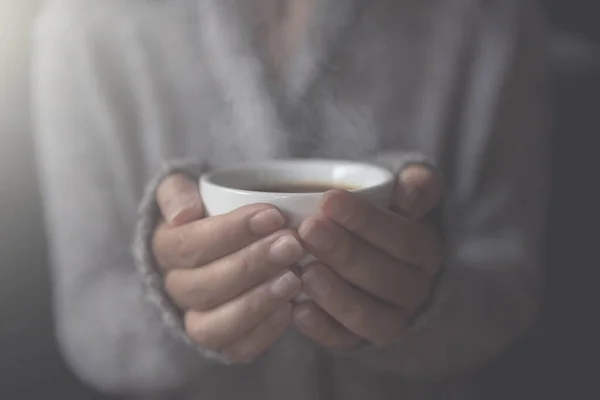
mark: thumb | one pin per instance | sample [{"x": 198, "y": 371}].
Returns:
[
  {"x": 179, "y": 200},
  {"x": 418, "y": 190}
]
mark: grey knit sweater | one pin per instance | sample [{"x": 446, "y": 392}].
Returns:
[{"x": 125, "y": 88}]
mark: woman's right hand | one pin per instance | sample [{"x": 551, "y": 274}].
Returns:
[{"x": 230, "y": 274}]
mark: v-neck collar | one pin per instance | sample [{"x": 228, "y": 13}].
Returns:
[{"x": 258, "y": 102}]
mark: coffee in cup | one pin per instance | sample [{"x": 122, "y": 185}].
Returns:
[
  {"x": 294, "y": 186},
  {"x": 304, "y": 187}
]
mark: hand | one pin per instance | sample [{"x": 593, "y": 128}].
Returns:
[
  {"x": 375, "y": 267},
  {"x": 229, "y": 274}
]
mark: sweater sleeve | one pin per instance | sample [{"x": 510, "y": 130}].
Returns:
[
  {"x": 490, "y": 288},
  {"x": 112, "y": 336}
]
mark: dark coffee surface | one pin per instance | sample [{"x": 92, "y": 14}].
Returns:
[{"x": 308, "y": 187}]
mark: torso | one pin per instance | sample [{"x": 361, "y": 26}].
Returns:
[
  {"x": 219, "y": 101},
  {"x": 200, "y": 88},
  {"x": 281, "y": 28}
]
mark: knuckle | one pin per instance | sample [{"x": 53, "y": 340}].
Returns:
[
  {"x": 189, "y": 292},
  {"x": 355, "y": 316},
  {"x": 358, "y": 217},
  {"x": 242, "y": 354},
  {"x": 173, "y": 286},
  {"x": 330, "y": 340},
  {"x": 263, "y": 301},
  {"x": 246, "y": 262},
  {"x": 242, "y": 263},
  {"x": 230, "y": 231},
  {"x": 199, "y": 331},
  {"x": 279, "y": 320},
  {"x": 239, "y": 219},
  {"x": 159, "y": 247},
  {"x": 200, "y": 298},
  {"x": 250, "y": 258},
  {"x": 257, "y": 258},
  {"x": 256, "y": 303},
  {"x": 421, "y": 286},
  {"x": 346, "y": 253},
  {"x": 333, "y": 342},
  {"x": 326, "y": 335},
  {"x": 236, "y": 225},
  {"x": 184, "y": 253},
  {"x": 389, "y": 336}
]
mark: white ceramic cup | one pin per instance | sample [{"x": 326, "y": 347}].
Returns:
[{"x": 224, "y": 190}]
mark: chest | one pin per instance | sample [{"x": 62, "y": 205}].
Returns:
[{"x": 361, "y": 81}]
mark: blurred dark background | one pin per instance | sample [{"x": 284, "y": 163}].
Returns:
[{"x": 549, "y": 362}]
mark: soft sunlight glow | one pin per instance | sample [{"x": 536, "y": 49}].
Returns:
[{"x": 15, "y": 25}]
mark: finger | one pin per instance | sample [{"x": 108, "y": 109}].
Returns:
[
  {"x": 320, "y": 327},
  {"x": 209, "y": 239},
  {"x": 179, "y": 200},
  {"x": 372, "y": 320},
  {"x": 403, "y": 239},
  {"x": 364, "y": 265},
  {"x": 205, "y": 288},
  {"x": 418, "y": 191},
  {"x": 219, "y": 328},
  {"x": 261, "y": 338}
]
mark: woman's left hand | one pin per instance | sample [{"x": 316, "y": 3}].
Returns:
[{"x": 375, "y": 267}]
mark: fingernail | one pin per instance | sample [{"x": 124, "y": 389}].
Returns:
[
  {"x": 316, "y": 235},
  {"x": 316, "y": 284},
  {"x": 266, "y": 221},
  {"x": 285, "y": 285},
  {"x": 305, "y": 316},
  {"x": 286, "y": 250},
  {"x": 414, "y": 184},
  {"x": 181, "y": 203}
]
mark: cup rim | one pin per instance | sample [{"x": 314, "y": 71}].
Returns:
[{"x": 208, "y": 177}]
